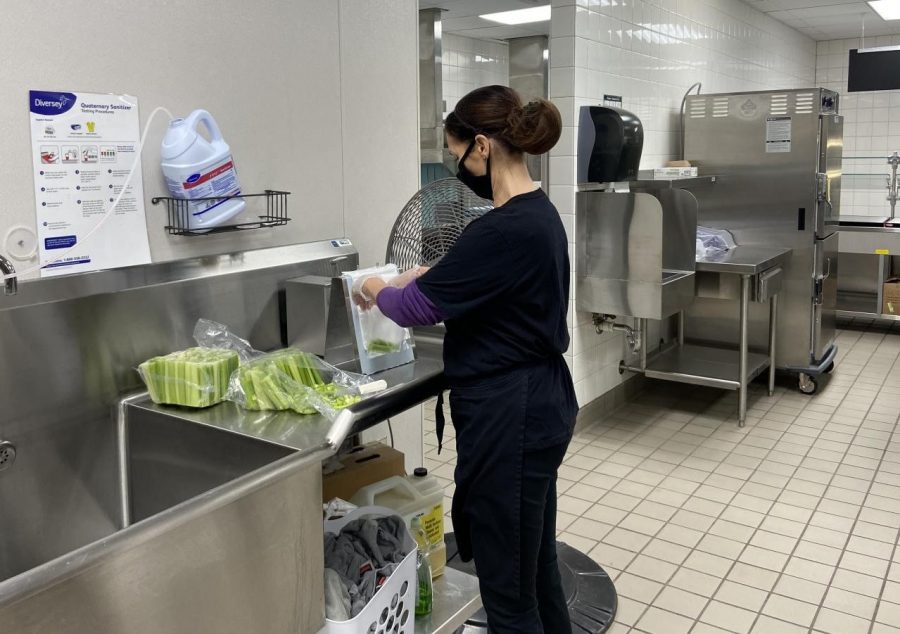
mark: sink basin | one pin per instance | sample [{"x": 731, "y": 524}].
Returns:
[
  {"x": 170, "y": 461},
  {"x": 176, "y": 527},
  {"x": 165, "y": 462}
]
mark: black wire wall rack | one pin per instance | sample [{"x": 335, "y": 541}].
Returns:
[{"x": 180, "y": 214}]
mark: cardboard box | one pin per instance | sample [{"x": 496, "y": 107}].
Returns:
[
  {"x": 891, "y": 297},
  {"x": 343, "y": 477}
]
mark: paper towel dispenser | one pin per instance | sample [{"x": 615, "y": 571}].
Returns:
[{"x": 610, "y": 142}]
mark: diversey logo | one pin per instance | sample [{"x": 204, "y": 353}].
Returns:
[
  {"x": 51, "y": 103},
  {"x": 193, "y": 178}
]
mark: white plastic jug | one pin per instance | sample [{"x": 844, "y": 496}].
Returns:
[
  {"x": 418, "y": 495},
  {"x": 197, "y": 168}
]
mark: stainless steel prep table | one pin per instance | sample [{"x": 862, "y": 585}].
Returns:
[
  {"x": 408, "y": 386},
  {"x": 716, "y": 366},
  {"x": 867, "y": 248},
  {"x": 456, "y": 595}
]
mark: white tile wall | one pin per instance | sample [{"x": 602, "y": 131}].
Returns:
[
  {"x": 470, "y": 63},
  {"x": 650, "y": 52},
  {"x": 871, "y": 128}
]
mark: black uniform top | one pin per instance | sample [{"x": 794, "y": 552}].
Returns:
[{"x": 504, "y": 290}]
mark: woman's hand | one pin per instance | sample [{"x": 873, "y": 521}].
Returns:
[
  {"x": 408, "y": 277},
  {"x": 363, "y": 292}
]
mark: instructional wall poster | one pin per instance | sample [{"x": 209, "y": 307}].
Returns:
[{"x": 83, "y": 146}]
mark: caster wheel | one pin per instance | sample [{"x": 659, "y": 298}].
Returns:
[
  {"x": 830, "y": 368},
  {"x": 807, "y": 385}
]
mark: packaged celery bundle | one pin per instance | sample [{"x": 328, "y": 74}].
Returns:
[
  {"x": 196, "y": 377},
  {"x": 290, "y": 380}
]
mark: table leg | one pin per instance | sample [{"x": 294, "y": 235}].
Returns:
[
  {"x": 681, "y": 328},
  {"x": 773, "y": 316},
  {"x": 742, "y": 391},
  {"x": 643, "y": 330}
]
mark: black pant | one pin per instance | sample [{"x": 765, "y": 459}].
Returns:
[
  {"x": 512, "y": 432},
  {"x": 526, "y": 598}
]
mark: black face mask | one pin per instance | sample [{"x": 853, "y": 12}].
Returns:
[{"x": 481, "y": 185}]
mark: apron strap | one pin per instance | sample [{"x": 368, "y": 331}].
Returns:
[{"x": 439, "y": 420}]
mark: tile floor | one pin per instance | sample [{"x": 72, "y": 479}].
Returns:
[{"x": 787, "y": 525}]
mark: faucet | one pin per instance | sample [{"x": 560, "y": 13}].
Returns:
[
  {"x": 893, "y": 185},
  {"x": 11, "y": 284}
]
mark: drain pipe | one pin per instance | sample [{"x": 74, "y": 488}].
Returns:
[{"x": 606, "y": 323}]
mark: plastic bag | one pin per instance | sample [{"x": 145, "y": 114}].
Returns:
[
  {"x": 196, "y": 377},
  {"x": 380, "y": 335},
  {"x": 338, "y": 508},
  {"x": 713, "y": 241},
  {"x": 212, "y": 334},
  {"x": 381, "y": 343}
]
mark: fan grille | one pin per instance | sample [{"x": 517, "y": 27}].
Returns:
[{"x": 432, "y": 221}]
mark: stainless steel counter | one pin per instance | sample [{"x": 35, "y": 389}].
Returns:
[
  {"x": 456, "y": 595},
  {"x": 152, "y": 519},
  {"x": 867, "y": 221},
  {"x": 869, "y": 239},
  {"x": 757, "y": 273},
  {"x": 744, "y": 260},
  {"x": 408, "y": 386},
  {"x": 867, "y": 249}
]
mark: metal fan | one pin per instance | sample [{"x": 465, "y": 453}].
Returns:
[{"x": 432, "y": 221}]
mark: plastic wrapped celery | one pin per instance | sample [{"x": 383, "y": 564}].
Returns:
[
  {"x": 261, "y": 385},
  {"x": 292, "y": 380},
  {"x": 196, "y": 377},
  {"x": 288, "y": 380}
]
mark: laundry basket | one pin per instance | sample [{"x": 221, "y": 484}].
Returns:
[{"x": 393, "y": 608}]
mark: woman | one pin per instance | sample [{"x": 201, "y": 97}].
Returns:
[{"x": 502, "y": 292}]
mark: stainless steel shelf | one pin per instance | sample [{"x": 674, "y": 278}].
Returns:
[
  {"x": 456, "y": 598},
  {"x": 857, "y": 302},
  {"x": 705, "y": 365},
  {"x": 654, "y": 183},
  {"x": 853, "y": 314},
  {"x": 744, "y": 260}
]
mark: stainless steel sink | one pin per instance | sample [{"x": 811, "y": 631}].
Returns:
[
  {"x": 190, "y": 520},
  {"x": 154, "y": 524},
  {"x": 159, "y": 459},
  {"x": 181, "y": 528},
  {"x": 169, "y": 461}
]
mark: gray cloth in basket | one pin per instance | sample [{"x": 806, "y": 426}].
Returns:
[
  {"x": 337, "y": 599},
  {"x": 363, "y": 555}
]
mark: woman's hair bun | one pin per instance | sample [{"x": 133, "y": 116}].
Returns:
[
  {"x": 497, "y": 111},
  {"x": 534, "y": 128}
]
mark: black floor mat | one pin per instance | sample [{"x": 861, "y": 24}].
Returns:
[{"x": 590, "y": 592}]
